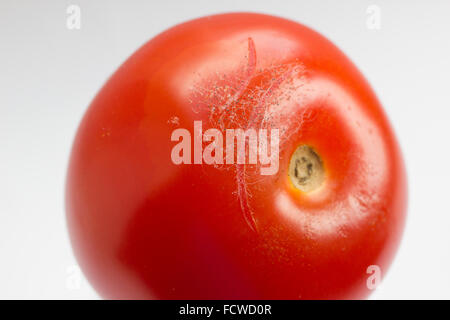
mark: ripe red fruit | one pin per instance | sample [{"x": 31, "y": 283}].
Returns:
[{"x": 145, "y": 227}]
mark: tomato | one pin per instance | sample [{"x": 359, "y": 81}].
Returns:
[{"x": 151, "y": 220}]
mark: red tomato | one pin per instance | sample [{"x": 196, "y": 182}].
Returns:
[{"x": 144, "y": 227}]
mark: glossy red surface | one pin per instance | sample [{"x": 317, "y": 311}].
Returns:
[{"x": 143, "y": 227}]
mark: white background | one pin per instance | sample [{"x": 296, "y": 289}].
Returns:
[{"x": 49, "y": 74}]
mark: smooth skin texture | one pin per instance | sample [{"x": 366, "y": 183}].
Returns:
[{"x": 145, "y": 228}]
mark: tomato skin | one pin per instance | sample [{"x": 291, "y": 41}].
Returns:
[{"x": 145, "y": 228}]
